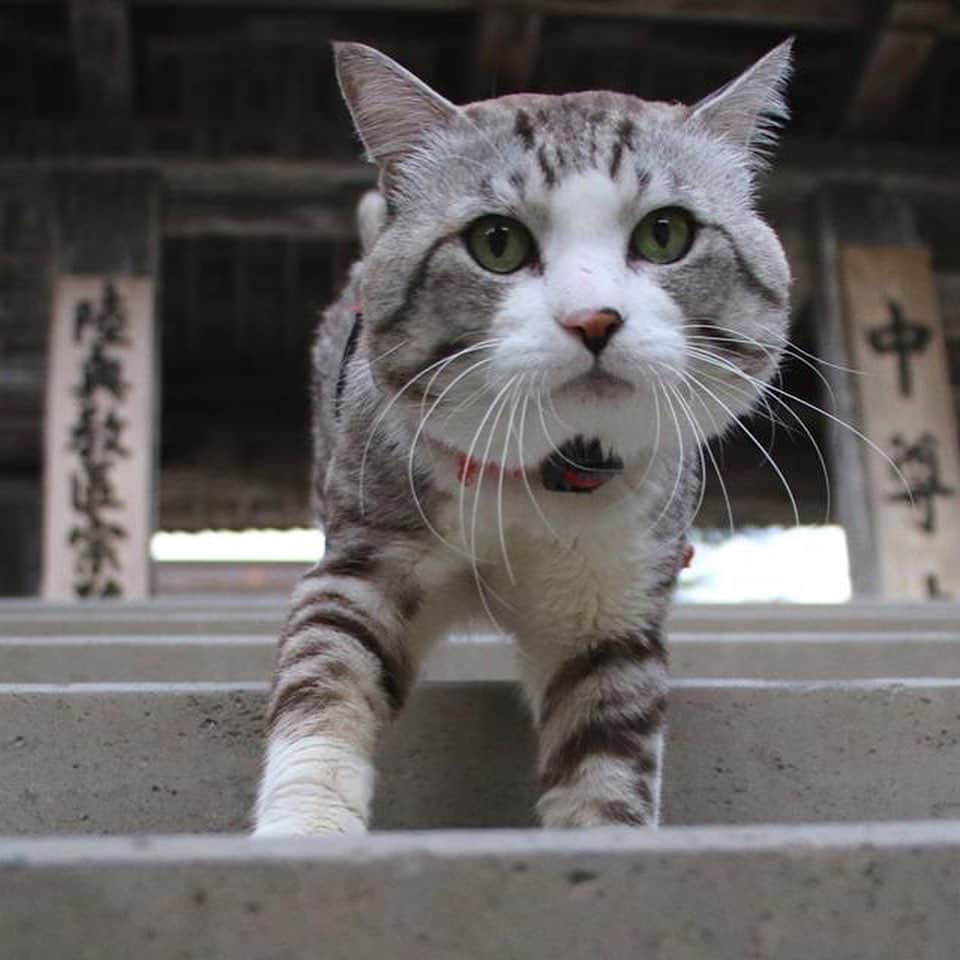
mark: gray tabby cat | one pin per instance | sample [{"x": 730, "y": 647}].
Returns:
[{"x": 560, "y": 299}]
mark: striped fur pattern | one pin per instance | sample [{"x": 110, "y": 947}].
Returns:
[{"x": 454, "y": 364}]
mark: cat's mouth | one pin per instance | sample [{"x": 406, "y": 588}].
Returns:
[{"x": 598, "y": 383}]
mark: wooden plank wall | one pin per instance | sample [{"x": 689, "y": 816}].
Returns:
[{"x": 896, "y": 339}]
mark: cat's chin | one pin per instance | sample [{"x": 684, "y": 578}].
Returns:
[{"x": 598, "y": 385}]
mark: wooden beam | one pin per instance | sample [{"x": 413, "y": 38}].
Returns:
[
  {"x": 259, "y": 217},
  {"x": 102, "y": 58},
  {"x": 787, "y": 14},
  {"x": 505, "y": 51},
  {"x": 802, "y": 166},
  {"x": 808, "y": 14},
  {"x": 897, "y": 54}
]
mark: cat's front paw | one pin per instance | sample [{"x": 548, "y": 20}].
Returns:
[
  {"x": 333, "y": 821},
  {"x": 312, "y": 786}
]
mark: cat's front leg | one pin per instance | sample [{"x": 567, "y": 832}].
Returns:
[
  {"x": 599, "y": 709},
  {"x": 343, "y": 668}
]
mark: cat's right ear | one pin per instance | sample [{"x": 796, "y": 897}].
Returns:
[
  {"x": 750, "y": 110},
  {"x": 393, "y": 111}
]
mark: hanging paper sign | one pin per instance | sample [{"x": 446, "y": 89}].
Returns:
[
  {"x": 896, "y": 341},
  {"x": 99, "y": 439}
]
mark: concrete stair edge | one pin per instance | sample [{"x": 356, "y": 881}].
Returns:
[{"x": 886, "y": 892}]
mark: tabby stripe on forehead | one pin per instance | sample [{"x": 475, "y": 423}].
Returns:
[
  {"x": 623, "y": 141},
  {"x": 614, "y": 654},
  {"x": 549, "y": 174},
  {"x": 523, "y": 128}
]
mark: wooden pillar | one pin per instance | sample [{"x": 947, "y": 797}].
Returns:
[
  {"x": 506, "y": 48},
  {"x": 879, "y": 315},
  {"x": 102, "y": 58},
  {"x": 24, "y": 308},
  {"x": 101, "y": 410}
]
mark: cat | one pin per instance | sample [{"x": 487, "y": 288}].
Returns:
[{"x": 559, "y": 300}]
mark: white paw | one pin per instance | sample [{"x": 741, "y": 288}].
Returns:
[
  {"x": 313, "y": 785},
  {"x": 320, "y": 823}
]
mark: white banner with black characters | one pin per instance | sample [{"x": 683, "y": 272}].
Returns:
[{"x": 99, "y": 439}]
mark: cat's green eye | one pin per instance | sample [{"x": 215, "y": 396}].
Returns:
[
  {"x": 499, "y": 244},
  {"x": 663, "y": 236}
]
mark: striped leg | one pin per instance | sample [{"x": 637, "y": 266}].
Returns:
[
  {"x": 600, "y": 716},
  {"x": 343, "y": 669}
]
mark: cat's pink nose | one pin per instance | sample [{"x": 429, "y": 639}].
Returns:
[{"x": 593, "y": 327}]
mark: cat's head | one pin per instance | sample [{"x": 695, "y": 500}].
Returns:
[{"x": 582, "y": 265}]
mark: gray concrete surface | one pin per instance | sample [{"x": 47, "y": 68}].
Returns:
[
  {"x": 877, "y": 892},
  {"x": 238, "y": 615},
  {"x": 144, "y": 658},
  {"x": 249, "y": 658},
  {"x": 184, "y": 758}
]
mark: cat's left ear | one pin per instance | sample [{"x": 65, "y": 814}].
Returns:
[
  {"x": 394, "y": 111},
  {"x": 750, "y": 110}
]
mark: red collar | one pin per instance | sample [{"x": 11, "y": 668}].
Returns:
[
  {"x": 468, "y": 470},
  {"x": 577, "y": 481},
  {"x": 579, "y": 466}
]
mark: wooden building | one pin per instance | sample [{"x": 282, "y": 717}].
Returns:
[{"x": 192, "y": 159}]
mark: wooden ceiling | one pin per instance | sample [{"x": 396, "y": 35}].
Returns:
[{"x": 213, "y": 77}]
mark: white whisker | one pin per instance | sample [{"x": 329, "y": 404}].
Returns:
[
  {"x": 500, "y": 407},
  {"x": 713, "y": 460},
  {"x": 379, "y": 418},
  {"x": 421, "y": 426},
  {"x": 773, "y": 463},
  {"x": 526, "y": 479}
]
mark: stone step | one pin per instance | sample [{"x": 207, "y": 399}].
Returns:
[
  {"x": 878, "y": 891},
  {"x": 245, "y": 658},
  {"x": 155, "y": 758},
  {"x": 263, "y": 615}
]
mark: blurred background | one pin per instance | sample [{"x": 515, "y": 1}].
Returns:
[{"x": 178, "y": 181}]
